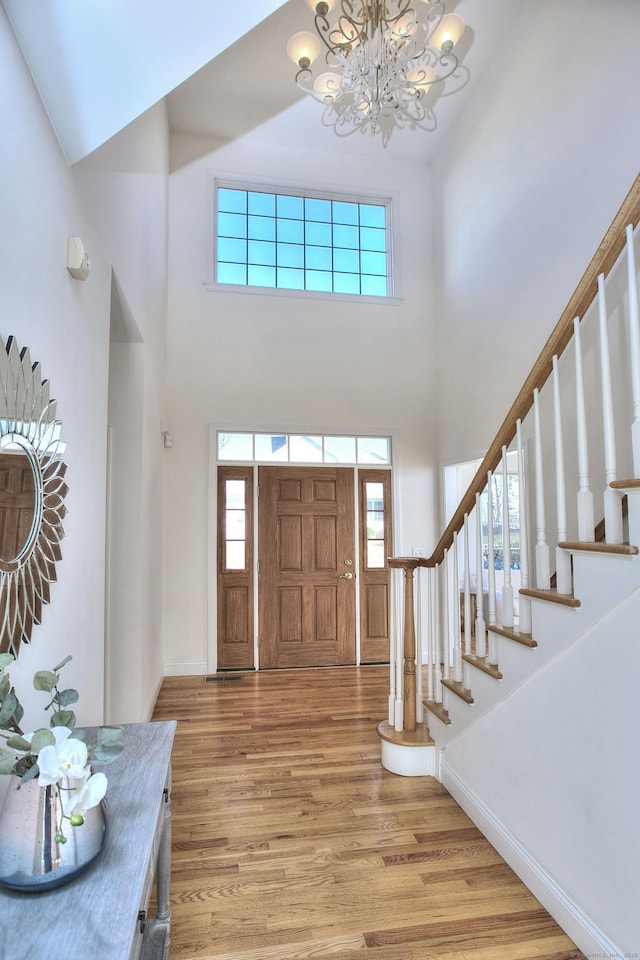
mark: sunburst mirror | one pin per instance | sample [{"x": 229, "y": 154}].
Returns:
[{"x": 32, "y": 492}]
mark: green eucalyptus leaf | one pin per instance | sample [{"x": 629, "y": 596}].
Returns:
[
  {"x": 9, "y": 704},
  {"x": 63, "y": 718},
  {"x": 104, "y": 754},
  {"x": 80, "y": 734},
  {"x": 6, "y": 659},
  {"x": 18, "y": 714},
  {"x": 5, "y": 685},
  {"x": 42, "y": 738},
  {"x": 18, "y": 743},
  {"x": 62, "y": 663},
  {"x": 31, "y": 774},
  {"x": 45, "y": 680},
  {"x": 7, "y": 760},
  {"x": 109, "y": 736},
  {"x": 67, "y": 697}
]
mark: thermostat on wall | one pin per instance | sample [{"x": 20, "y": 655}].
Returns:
[{"x": 78, "y": 262}]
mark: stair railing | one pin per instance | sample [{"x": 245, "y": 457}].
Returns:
[{"x": 451, "y": 645}]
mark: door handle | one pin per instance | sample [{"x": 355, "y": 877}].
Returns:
[{"x": 346, "y": 576}]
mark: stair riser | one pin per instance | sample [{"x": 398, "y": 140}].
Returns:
[{"x": 601, "y": 582}]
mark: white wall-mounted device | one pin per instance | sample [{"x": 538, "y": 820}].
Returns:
[{"x": 78, "y": 262}]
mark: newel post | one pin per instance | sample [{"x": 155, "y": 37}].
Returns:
[
  {"x": 409, "y": 643},
  {"x": 409, "y": 717}
]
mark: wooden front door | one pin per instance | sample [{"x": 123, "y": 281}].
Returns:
[{"x": 307, "y": 577}]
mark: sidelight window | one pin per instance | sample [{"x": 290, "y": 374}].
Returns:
[
  {"x": 235, "y": 524},
  {"x": 375, "y": 525}
]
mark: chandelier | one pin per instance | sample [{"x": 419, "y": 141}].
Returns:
[{"x": 381, "y": 58}]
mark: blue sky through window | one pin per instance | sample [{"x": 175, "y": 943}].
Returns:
[{"x": 289, "y": 242}]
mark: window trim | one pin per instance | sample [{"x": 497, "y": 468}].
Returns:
[{"x": 267, "y": 185}]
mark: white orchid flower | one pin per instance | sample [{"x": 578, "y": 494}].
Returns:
[
  {"x": 84, "y": 797},
  {"x": 66, "y": 758}
]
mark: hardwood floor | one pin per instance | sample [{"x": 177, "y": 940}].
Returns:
[{"x": 290, "y": 841}]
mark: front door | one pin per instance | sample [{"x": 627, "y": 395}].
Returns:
[{"x": 307, "y": 577}]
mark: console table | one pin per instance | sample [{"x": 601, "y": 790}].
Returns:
[{"x": 103, "y": 912}]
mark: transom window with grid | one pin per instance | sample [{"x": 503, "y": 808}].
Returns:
[{"x": 287, "y": 242}]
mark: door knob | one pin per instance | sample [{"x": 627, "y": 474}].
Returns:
[{"x": 346, "y": 576}]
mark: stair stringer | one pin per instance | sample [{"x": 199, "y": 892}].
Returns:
[
  {"x": 601, "y": 582},
  {"x": 551, "y": 777}
]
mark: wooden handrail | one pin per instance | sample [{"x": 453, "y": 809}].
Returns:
[{"x": 606, "y": 255}]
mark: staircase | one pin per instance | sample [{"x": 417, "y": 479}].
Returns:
[
  {"x": 478, "y": 664},
  {"x": 519, "y": 699}
]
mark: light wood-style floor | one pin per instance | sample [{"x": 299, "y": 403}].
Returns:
[{"x": 290, "y": 841}]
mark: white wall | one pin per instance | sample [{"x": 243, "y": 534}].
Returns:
[
  {"x": 123, "y": 187},
  {"x": 65, "y": 323},
  {"x": 554, "y": 775},
  {"x": 116, "y": 203},
  {"x": 243, "y": 359},
  {"x": 525, "y": 188},
  {"x": 96, "y": 76}
]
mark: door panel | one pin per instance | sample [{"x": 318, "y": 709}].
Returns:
[{"x": 306, "y": 535}]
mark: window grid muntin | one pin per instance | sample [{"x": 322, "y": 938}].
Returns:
[
  {"x": 244, "y": 446},
  {"x": 368, "y": 276}
]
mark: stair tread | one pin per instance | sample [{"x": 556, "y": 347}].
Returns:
[
  {"x": 483, "y": 664},
  {"x": 524, "y": 638},
  {"x": 459, "y": 689},
  {"x": 438, "y": 710},
  {"x": 565, "y": 599},
  {"x": 420, "y": 737},
  {"x": 624, "y": 549}
]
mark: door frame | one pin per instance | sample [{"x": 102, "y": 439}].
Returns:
[{"x": 212, "y": 524}]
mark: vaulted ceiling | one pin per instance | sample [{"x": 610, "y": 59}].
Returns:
[{"x": 222, "y": 68}]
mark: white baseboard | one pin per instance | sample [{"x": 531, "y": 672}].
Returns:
[
  {"x": 576, "y": 924},
  {"x": 189, "y": 668}
]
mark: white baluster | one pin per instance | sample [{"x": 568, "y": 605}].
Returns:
[
  {"x": 419, "y": 652},
  {"x": 507, "y": 588},
  {"x": 431, "y": 631},
  {"x": 493, "y": 643},
  {"x": 467, "y": 588},
  {"x": 586, "y": 522},
  {"x": 446, "y": 632},
  {"x": 543, "y": 565},
  {"x": 612, "y": 499},
  {"x": 481, "y": 627},
  {"x": 634, "y": 345},
  {"x": 524, "y": 624},
  {"x": 457, "y": 648},
  {"x": 440, "y": 631},
  {"x": 398, "y": 721},
  {"x": 563, "y": 558},
  {"x": 393, "y": 645}
]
